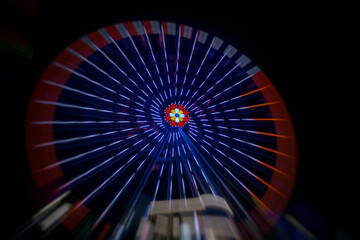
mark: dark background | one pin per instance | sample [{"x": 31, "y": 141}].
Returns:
[{"x": 303, "y": 49}]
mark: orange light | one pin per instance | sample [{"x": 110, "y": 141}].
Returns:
[
  {"x": 262, "y": 104},
  {"x": 264, "y": 119},
  {"x": 256, "y": 90},
  {"x": 271, "y": 134}
]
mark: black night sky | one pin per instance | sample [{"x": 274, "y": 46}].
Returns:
[{"x": 299, "y": 47}]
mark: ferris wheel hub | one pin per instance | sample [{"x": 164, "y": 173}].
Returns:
[{"x": 176, "y": 115}]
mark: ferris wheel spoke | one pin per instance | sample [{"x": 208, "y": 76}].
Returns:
[
  {"x": 239, "y": 182},
  {"x": 233, "y": 148},
  {"x": 95, "y": 96},
  {"x": 188, "y": 66},
  {"x": 130, "y": 140},
  {"x": 93, "y": 45},
  {"x": 198, "y": 70},
  {"x": 108, "y": 162},
  {"x": 164, "y": 53},
  {"x": 116, "y": 198},
  {"x": 158, "y": 88}
]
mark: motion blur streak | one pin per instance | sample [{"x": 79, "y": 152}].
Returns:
[{"x": 154, "y": 130}]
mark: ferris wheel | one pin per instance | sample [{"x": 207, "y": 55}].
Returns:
[{"x": 144, "y": 113}]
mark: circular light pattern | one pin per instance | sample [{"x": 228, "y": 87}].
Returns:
[{"x": 99, "y": 142}]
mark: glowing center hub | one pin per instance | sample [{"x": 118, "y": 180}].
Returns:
[{"x": 176, "y": 115}]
